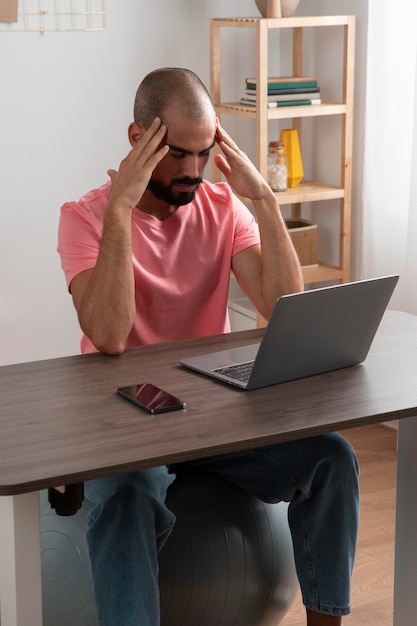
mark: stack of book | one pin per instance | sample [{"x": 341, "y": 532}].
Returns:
[{"x": 284, "y": 91}]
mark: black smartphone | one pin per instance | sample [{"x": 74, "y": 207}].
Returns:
[{"x": 151, "y": 398}]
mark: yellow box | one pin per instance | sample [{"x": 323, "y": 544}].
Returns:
[
  {"x": 292, "y": 150},
  {"x": 305, "y": 240}
]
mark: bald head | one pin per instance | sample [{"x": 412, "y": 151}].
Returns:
[{"x": 174, "y": 88}]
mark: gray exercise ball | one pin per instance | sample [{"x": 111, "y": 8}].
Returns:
[{"x": 229, "y": 559}]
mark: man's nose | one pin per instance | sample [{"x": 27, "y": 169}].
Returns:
[{"x": 192, "y": 166}]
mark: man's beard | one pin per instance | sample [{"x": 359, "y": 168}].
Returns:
[{"x": 166, "y": 193}]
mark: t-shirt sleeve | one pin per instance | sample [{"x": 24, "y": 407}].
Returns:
[
  {"x": 79, "y": 235},
  {"x": 246, "y": 227}
]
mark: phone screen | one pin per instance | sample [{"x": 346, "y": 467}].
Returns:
[{"x": 151, "y": 398}]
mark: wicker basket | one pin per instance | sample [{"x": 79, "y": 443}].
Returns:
[{"x": 304, "y": 237}]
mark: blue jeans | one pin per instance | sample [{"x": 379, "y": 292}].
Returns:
[{"x": 130, "y": 522}]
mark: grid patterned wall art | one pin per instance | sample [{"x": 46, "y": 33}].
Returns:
[{"x": 58, "y": 16}]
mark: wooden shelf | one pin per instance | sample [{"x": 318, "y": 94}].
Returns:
[
  {"x": 307, "y": 190},
  {"x": 322, "y": 273},
  {"x": 311, "y": 110},
  {"x": 302, "y": 21}
]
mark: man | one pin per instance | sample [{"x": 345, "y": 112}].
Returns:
[{"x": 147, "y": 258}]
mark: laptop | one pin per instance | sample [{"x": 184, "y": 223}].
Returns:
[{"x": 309, "y": 333}]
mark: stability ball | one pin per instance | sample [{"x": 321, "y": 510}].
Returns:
[{"x": 229, "y": 559}]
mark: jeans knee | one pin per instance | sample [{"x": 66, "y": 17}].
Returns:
[
  {"x": 343, "y": 455},
  {"x": 339, "y": 467},
  {"x": 136, "y": 500}
]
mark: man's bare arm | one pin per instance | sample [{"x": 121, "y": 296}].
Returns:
[
  {"x": 272, "y": 269},
  {"x": 104, "y": 297}
]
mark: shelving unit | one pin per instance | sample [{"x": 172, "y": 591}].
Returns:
[{"x": 307, "y": 190}]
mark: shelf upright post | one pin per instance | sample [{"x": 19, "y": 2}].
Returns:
[
  {"x": 298, "y": 70},
  {"x": 215, "y": 83},
  {"x": 347, "y": 148},
  {"x": 261, "y": 95}
]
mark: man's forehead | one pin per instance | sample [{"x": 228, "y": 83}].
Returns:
[
  {"x": 190, "y": 137},
  {"x": 188, "y": 133}
]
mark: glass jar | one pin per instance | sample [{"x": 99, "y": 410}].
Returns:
[{"x": 277, "y": 166}]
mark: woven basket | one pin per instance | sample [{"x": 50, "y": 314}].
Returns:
[{"x": 305, "y": 240}]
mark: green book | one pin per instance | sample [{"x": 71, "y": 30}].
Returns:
[
  {"x": 286, "y": 83},
  {"x": 292, "y": 103},
  {"x": 284, "y": 103}
]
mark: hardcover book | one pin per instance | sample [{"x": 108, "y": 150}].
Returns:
[
  {"x": 304, "y": 95},
  {"x": 272, "y": 92},
  {"x": 288, "y": 82},
  {"x": 284, "y": 103}
]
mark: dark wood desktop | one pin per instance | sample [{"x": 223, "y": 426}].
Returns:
[{"x": 61, "y": 422}]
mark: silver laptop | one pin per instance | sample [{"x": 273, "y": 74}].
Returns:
[{"x": 309, "y": 333}]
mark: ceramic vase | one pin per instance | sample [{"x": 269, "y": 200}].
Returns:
[
  {"x": 269, "y": 8},
  {"x": 289, "y": 138}
]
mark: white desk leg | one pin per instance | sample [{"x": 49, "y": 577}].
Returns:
[
  {"x": 20, "y": 561},
  {"x": 405, "y": 578}
]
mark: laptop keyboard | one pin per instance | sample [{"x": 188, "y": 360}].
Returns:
[{"x": 239, "y": 371}]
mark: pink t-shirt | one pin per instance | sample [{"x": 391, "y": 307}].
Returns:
[{"x": 181, "y": 265}]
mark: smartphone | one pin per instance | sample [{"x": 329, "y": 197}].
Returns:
[{"x": 151, "y": 398}]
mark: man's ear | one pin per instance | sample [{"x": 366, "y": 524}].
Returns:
[{"x": 135, "y": 133}]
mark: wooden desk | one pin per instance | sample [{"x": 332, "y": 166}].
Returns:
[{"x": 61, "y": 422}]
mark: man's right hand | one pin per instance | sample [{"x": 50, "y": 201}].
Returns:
[{"x": 129, "y": 183}]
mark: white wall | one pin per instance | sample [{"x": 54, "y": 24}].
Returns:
[{"x": 66, "y": 101}]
